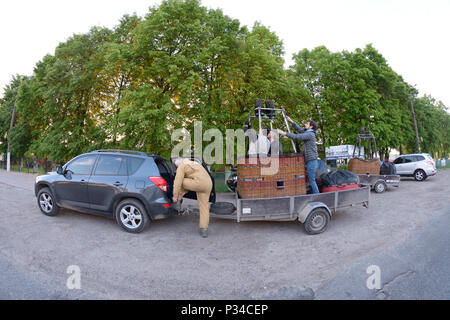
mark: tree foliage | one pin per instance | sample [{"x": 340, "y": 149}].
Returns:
[{"x": 130, "y": 86}]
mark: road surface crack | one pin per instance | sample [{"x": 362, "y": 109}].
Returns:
[{"x": 383, "y": 292}]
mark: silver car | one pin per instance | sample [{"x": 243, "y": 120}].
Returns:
[{"x": 420, "y": 166}]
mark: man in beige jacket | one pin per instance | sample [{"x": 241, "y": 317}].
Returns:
[{"x": 191, "y": 176}]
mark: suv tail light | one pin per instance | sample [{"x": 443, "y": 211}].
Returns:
[
  {"x": 431, "y": 163},
  {"x": 159, "y": 182}
]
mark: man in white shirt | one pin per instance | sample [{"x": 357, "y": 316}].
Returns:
[{"x": 259, "y": 144}]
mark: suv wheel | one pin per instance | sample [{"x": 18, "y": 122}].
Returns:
[
  {"x": 420, "y": 175},
  {"x": 132, "y": 216},
  {"x": 47, "y": 203}
]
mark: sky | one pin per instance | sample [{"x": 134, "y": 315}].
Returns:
[{"x": 410, "y": 34}]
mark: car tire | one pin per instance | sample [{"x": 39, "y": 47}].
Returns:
[
  {"x": 317, "y": 221},
  {"x": 131, "y": 216},
  {"x": 380, "y": 187},
  {"x": 46, "y": 202},
  {"x": 420, "y": 175},
  {"x": 222, "y": 208}
]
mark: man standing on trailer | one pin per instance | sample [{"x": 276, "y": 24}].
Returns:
[
  {"x": 308, "y": 135},
  {"x": 259, "y": 144},
  {"x": 191, "y": 176}
]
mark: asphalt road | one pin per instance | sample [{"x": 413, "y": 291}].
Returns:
[
  {"x": 404, "y": 232},
  {"x": 417, "y": 269}
]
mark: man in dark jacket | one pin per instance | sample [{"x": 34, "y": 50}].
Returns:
[{"x": 308, "y": 136}]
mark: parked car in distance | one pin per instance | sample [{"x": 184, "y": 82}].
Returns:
[
  {"x": 132, "y": 187},
  {"x": 420, "y": 166}
]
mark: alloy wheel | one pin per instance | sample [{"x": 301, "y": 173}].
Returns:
[
  {"x": 46, "y": 202},
  {"x": 419, "y": 176},
  {"x": 131, "y": 217}
]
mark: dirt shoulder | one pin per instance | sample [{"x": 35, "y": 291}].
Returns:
[{"x": 169, "y": 260}]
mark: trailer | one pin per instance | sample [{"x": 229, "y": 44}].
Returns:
[
  {"x": 379, "y": 183},
  {"x": 314, "y": 211}
]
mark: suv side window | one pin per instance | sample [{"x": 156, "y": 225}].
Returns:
[
  {"x": 398, "y": 160},
  {"x": 420, "y": 158},
  {"x": 111, "y": 166},
  {"x": 82, "y": 166},
  {"x": 408, "y": 159},
  {"x": 134, "y": 164}
]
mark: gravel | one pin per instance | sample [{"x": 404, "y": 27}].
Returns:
[{"x": 169, "y": 260}]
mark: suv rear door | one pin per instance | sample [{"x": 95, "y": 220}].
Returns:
[
  {"x": 405, "y": 165},
  {"x": 410, "y": 164},
  {"x": 192, "y": 194},
  {"x": 109, "y": 177}
]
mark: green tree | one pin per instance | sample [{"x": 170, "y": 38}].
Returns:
[
  {"x": 70, "y": 91},
  {"x": 432, "y": 122},
  {"x": 19, "y": 135}
]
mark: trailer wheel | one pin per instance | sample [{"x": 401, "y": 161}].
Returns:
[
  {"x": 380, "y": 187},
  {"x": 317, "y": 221}
]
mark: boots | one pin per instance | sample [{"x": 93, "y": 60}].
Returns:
[{"x": 204, "y": 232}]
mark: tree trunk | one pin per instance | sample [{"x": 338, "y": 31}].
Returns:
[
  {"x": 382, "y": 153},
  {"x": 386, "y": 155},
  {"x": 35, "y": 167},
  {"x": 415, "y": 125}
]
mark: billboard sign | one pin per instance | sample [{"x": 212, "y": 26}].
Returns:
[{"x": 342, "y": 152}]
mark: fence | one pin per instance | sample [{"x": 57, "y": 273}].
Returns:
[
  {"x": 26, "y": 165},
  {"x": 441, "y": 163},
  {"x": 41, "y": 166},
  {"x": 220, "y": 179}
]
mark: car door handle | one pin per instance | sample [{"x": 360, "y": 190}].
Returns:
[{"x": 118, "y": 184}]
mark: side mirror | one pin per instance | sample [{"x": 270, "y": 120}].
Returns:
[{"x": 60, "y": 170}]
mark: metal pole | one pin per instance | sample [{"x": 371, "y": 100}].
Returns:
[
  {"x": 260, "y": 120},
  {"x": 375, "y": 146},
  {"x": 11, "y": 125},
  {"x": 289, "y": 130},
  {"x": 415, "y": 123}
]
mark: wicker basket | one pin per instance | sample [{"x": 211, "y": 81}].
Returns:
[
  {"x": 360, "y": 166},
  {"x": 288, "y": 181}
]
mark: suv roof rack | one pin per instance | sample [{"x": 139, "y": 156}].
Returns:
[{"x": 137, "y": 153}]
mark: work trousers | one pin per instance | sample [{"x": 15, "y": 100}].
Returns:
[{"x": 203, "y": 188}]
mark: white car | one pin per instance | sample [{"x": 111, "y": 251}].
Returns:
[{"x": 420, "y": 166}]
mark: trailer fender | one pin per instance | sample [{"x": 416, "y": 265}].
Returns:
[{"x": 306, "y": 210}]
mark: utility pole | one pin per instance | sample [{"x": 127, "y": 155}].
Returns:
[
  {"x": 8, "y": 156},
  {"x": 415, "y": 123}
]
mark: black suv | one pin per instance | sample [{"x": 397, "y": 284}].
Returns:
[{"x": 132, "y": 187}]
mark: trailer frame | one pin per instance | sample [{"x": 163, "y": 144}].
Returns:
[
  {"x": 379, "y": 183},
  {"x": 299, "y": 207}
]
